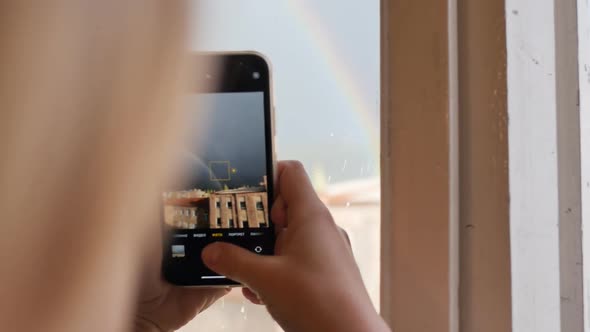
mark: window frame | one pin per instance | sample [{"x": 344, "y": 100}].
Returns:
[
  {"x": 461, "y": 145},
  {"x": 583, "y": 29},
  {"x": 417, "y": 169}
]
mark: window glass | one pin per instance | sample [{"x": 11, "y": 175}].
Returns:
[{"x": 324, "y": 56}]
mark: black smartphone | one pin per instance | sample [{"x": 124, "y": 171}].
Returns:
[{"x": 229, "y": 166}]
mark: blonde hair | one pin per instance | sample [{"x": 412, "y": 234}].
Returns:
[{"x": 88, "y": 102}]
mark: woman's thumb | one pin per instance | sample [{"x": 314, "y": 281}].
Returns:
[{"x": 238, "y": 264}]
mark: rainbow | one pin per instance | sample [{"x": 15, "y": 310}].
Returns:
[{"x": 318, "y": 34}]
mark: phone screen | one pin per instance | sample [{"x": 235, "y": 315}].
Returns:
[{"x": 226, "y": 193}]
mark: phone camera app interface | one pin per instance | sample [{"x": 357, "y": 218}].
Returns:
[{"x": 225, "y": 193}]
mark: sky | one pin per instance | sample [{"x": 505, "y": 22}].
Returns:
[
  {"x": 325, "y": 64},
  {"x": 231, "y": 147}
]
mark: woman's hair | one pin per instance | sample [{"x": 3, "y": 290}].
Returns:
[{"x": 88, "y": 104}]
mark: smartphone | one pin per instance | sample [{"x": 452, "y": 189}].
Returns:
[{"x": 229, "y": 166}]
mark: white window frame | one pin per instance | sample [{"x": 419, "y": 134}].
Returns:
[{"x": 583, "y": 20}]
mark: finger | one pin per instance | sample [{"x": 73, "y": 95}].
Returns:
[
  {"x": 295, "y": 186},
  {"x": 251, "y": 296},
  {"x": 345, "y": 236},
  {"x": 181, "y": 305},
  {"x": 277, "y": 186},
  {"x": 239, "y": 264},
  {"x": 202, "y": 299},
  {"x": 278, "y": 213},
  {"x": 281, "y": 165}
]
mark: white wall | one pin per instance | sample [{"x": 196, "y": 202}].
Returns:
[
  {"x": 534, "y": 206},
  {"x": 584, "y": 80}
]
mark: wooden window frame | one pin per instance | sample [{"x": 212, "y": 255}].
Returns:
[{"x": 419, "y": 284}]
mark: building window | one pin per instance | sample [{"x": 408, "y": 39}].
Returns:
[
  {"x": 217, "y": 204},
  {"x": 194, "y": 213},
  {"x": 259, "y": 206},
  {"x": 243, "y": 205},
  {"x": 219, "y": 222},
  {"x": 245, "y": 224},
  {"x": 231, "y": 223},
  {"x": 229, "y": 204},
  {"x": 187, "y": 212}
]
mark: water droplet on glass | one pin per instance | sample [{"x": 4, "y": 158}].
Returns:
[
  {"x": 243, "y": 311},
  {"x": 344, "y": 166},
  {"x": 329, "y": 178},
  {"x": 347, "y": 204}
]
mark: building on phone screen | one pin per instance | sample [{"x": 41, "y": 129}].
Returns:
[{"x": 233, "y": 208}]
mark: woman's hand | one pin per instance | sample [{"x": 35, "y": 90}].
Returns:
[
  {"x": 170, "y": 307},
  {"x": 313, "y": 282},
  {"x": 164, "y": 307}
]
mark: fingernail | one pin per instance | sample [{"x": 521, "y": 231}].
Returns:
[{"x": 210, "y": 255}]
